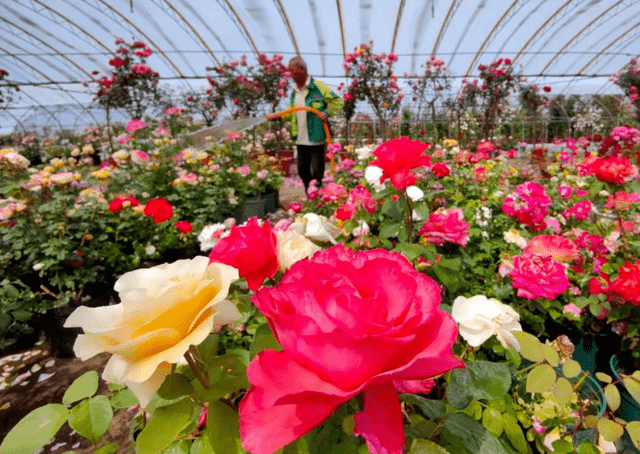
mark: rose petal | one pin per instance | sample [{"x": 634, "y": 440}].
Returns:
[
  {"x": 284, "y": 402},
  {"x": 381, "y": 421}
]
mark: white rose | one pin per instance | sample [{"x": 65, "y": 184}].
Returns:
[
  {"x": 372, "y": 174},
  {"x": 164, "y": 310},
  {"x": 480, "y": 318},
  {"x": 38, "y": 266},
  {"x": 513, "y": 236},
  {"x": 415, "y": 193},
  {"x": 292, "y": 247},
  {"x": 319, "y": 229},
  {"x": 362, "y": 229}
]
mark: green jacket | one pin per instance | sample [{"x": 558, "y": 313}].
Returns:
[{"x": 320, "y": 97}]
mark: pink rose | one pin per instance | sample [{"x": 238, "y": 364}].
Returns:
[
  {"x": 446, "y": 226},
  {"x": 345, "y": 331},
  {"x": 251, "y": 248},
  {"x": 135, "y": 125},
  {"x": 538, "y": 277}
]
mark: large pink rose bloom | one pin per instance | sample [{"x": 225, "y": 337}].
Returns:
[
  {"x": 528, "y": 204},
  {"x": 538, "y": 277},
  {"x": 446, "y": 226},
  {"x": 560, "y": 248},
  {"x": 345, "y": 330},
  {"x": 251, "y": 249},
  {"x": 397, "y": 157}
]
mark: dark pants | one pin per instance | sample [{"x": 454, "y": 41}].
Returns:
[{"x": 311, "y": 163}]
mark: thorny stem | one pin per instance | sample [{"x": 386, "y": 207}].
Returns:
[
  {"x": 409, "y": 217},
  {"x": 196, "y": 370}
]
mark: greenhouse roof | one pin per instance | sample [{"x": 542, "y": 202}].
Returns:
[{"x": 50, "y": 47}]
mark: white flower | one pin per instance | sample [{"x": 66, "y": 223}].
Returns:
[
  {"x": 513, "y": 236},
  {"x": 210, "y": 235},
  {"x": 362, "y": 229},
  {"x": 372, "y": 174},
  {"x": 415, "y": 193},
  {"x": 149, "y": 250},
  {"x": 317, "y": 228},
  {"x": 164, "y": 310},
  {"x": 483, "y": 215},
  {"x": 480, "y": 318},
  {"x": 292, "y": 247},
  {"x": 364, "y": 153},
  {"x": 415, "y": 216},
  {"x": 38, "y": 266}
]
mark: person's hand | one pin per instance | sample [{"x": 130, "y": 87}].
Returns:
[
  {"x": 323, "y": 116},
  {"x": 272, "y": 117}
]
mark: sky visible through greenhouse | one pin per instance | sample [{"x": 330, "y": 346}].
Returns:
[{"x": 50, "y": 47}]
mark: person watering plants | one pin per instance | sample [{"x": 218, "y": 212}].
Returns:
[{"x": 306, "y": 127}]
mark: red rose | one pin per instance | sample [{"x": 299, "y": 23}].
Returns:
[
  {"x": 546, "y": 88},
  {"x": 344, "y": 331},
  {"x": 345, "y": 211},
  {"x": 116, "y": 205},
  {"x": 440, "y": 170},
  {"x": 535, "y": 276},
  {"x": 251, "y": 248},
  {"x": 560, "y": 248},
  {"x": 160, "y": 209},
  {"x": 397, "y": 157},
  {"x": 628, "y": 282},
  {"x": 613, "y": 169},
  {"x": 183, "y": 227},
  {"x": 446, "y": 226}
]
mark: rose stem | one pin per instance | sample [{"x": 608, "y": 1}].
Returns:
[{"x": 196, "y": 370}]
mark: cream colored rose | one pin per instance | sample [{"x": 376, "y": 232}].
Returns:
[
  {"x": 480, "y": 317},
  {"x": 317, "y": 228},
  {"x": 164, "y": 310},
  {"x": 292, "y": 247}
]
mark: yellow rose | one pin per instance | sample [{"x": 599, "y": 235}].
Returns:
[
  {"x": 164, "y": 310},
  {"x": 293, "y": 247}
]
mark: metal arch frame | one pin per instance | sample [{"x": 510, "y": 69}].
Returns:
[
  {"x": 585, "y": 28},
  {"x": 47, "y": 78},
  {"x": 365, "y": 20},
  {"x": 47, "y": 45},
  {"x": 595, "y": 57},
  {"x": 43, "y": 107},
  {"x": 466, "y": 30},
  {"x": 188, "y": 6},
  {"x": 146, "y": 37},
  {"x": 287, "y": 24},
  {"x": 239, "y": 21},
  {"x": 542, "y": 27},
  {"x": 397, "y": 27},
  {"x": 508, "y": 39},
  {"x": 321, "y": 42},
  {"x": 192, "y": 28},
  {"x": 26, "y": 52},
  {"x": 443, "y": 27},
  {"x": 489, "y": 36},
  {"x": 3, "y": 111},
  {"x": 341, "y": 23}
]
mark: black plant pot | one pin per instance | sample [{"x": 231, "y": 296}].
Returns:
[{"x": 60, "y": 339}]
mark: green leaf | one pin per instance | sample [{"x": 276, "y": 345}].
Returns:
[
  {"x": 201, "y": 446},
  {"x": 263, "y": 340},
  {"x": 571, "y": 368},
  {"x": 633, "y": 387},
  {"x": 21, "y": 315},
  {"x": 612, "y": 395},
  {"x": 596, "y": 187},
  {"x": 348, "y": 424},
  {"x": 514, "y": 432},
  {"x": 411, "y": 251},
  {"x": 209, "y": 348},
  {"x": 107, "y": 449},
  {"x": 633, "y": 428},
  {"x": 530, "y": 346},
  {"x": 164, "y": 426},
  {"x": 431, "y": 408},
  {"x": 422, "y": 446},
  {"x": 390, "y": 230},
  {"x": 610, "y": 430},
  {"x": 82, "y": 387},
  {"x": 540, "y": 379},
  {"x": 464, "y": 432},
  {"x": 603, "y": 377},
  {"x": 563, "y": 391},
  {"x": 492, "y": 421},
  {"x": 35, "y": 430},
  {"x": 123, "y": 399},
  {"x": 561, "y": 446},
  {"x": 177, "y": 447},
  {"x": 586, "y": 447},
  {"x": 551, "y": 355},
  {"x": 223, "y": 429},
  {"x": 11, "y": 292},
  {"x": 175, "y": 386},
  {"x": 92, "y": 417},
  {"x": 479, "y": 380},
  {"x": 391, "y": 209}
]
